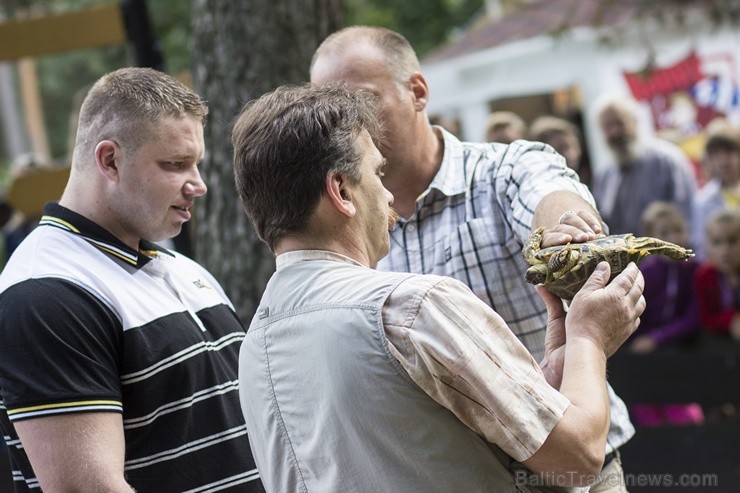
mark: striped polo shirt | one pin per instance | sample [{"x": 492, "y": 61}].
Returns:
[{"x": 88, "y": 324}]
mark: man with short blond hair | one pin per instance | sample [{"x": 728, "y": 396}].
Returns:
[{"x": 118, "y": 358}]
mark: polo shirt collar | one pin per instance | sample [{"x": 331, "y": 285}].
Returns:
[
  {"x": 60, "y": 217},
  {"x": 450, "y": 179}
]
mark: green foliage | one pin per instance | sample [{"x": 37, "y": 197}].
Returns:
[
  {"x": 425, "y": 24},
  {"x": 172, "y": 28},
  {"x": 4, "y": 172},
  {"x": 11, "y": 9},
  {"x": 62, "y": 77}
]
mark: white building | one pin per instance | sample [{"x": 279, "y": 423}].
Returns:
[{"x": 560, "y": 56}]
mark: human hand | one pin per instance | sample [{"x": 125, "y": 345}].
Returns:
[
  {"x": 572, "y": 227},
  {"x": 552, "y": 363},
  {"x": 643, "y": 345},
  {"x": 607, "y": 314}
]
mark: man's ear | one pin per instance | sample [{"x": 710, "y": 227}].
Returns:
[
  {"x": 420, "y": 89},
  {"x": 338, "y": 195},
  {"x": 107, "y": 156}
]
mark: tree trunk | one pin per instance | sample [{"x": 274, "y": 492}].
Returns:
[{"x": 242, "y": 49}]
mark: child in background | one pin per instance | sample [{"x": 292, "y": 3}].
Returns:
[
  {"x": 722, "y": 191},
  {"x": 718, "y": 280},
  {"x": 671, "y": 314}
]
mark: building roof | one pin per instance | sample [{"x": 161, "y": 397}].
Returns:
[{"x": 530, "y": 18}]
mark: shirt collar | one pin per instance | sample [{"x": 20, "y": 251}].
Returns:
[
  {"x": 293, "y": 257},
  {"x": 450, "y": 179},
  {"x": 60, "y": 217}
]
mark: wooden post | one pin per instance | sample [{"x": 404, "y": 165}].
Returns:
[{"x": 33, "y": 109}]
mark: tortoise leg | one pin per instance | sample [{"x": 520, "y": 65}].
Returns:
[
  {"x": 563, "y": 261},
  {"x": 533, "y": 245}
]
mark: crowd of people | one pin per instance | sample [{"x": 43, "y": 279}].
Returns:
[
  {"x": 650, "y": 188},
  {"x": 396, "y": 347}
]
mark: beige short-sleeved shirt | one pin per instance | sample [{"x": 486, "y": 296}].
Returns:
[{"x": 461, "y": 353}]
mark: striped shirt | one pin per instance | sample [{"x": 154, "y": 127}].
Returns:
[
  {"x": 88, "y": 324},
  {"x": 471, "y": 224}
]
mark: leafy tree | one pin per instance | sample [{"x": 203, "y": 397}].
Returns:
[
  {"x": 237, "y": 51},
  {"x": 425, "y": 24},
  {"x": 62, "y": 79}
]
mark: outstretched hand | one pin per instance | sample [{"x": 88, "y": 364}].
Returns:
[
  {"x": 608, "y": 314},
  {"x": 572, "y": 227}
]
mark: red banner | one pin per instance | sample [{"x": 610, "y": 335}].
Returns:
[{"x": 679, "y": 77}]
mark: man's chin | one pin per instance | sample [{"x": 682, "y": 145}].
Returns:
[
  {"x": 382, "y": 253},
  {"x": 167, "y": 235},
  {"x": 626, "y": 153}
]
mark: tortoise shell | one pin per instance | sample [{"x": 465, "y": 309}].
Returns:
[{"x": 564, "y": 269}]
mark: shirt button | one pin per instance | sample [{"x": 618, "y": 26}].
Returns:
[{"x": 410, "y": 228}]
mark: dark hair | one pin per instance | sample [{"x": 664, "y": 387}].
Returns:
[
  {"x": 722, "y": 137},
  {"x": 545, "y": 127},
  {"x": 285, "y": 144}
]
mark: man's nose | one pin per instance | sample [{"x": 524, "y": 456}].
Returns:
[{"x": 195, "y": 186}]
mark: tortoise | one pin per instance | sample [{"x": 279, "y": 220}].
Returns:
[{"x": 564, "y": 269}]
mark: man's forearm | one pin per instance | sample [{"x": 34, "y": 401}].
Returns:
[
  {"x": 574, "y": 451},
  {"x": 584, "y": 384}
]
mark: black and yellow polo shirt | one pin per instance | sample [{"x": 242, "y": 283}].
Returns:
[{"x": 87, "y": 324}]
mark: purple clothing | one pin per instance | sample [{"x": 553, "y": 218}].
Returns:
[{"x": 672, "y": 313}]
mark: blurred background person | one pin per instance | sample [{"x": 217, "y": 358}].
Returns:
[
  {"x": 718, "y": 280},
  {"x": 450, "y": 124},
  {"x": 644, "y": 170},
  {"x": 18, "y": 224},
  {"x": 671, "y": 314},
  {"x": 565, "y": 138},
  {"x": 722, "y": 166},
  {"x": 505, "y": 127}
]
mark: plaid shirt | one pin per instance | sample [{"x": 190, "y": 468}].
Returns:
[{"x": 471, "y": 224}]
